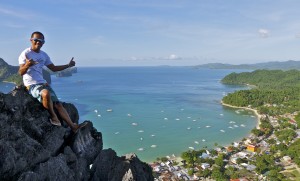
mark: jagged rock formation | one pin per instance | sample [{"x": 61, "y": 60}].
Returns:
[{"x": 33, "y": 149}]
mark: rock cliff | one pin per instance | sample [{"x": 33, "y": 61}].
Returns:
[{"x": 31, "y": 148}]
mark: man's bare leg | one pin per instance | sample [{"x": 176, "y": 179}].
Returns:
[
  {"x": 47, "y": 103},
  {"x": 65, "y": 116}
]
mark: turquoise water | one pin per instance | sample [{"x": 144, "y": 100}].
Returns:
[{"x": 156, "y": 111}]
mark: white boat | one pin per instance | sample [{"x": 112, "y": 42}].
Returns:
[
  {"x": 141, "y": 149},
  {"x": 134, "y": 124},
  {"x": 192, "y": 148},
  {"x": 109, "y": 110},
  {"x": 153, "y": 146},
  {"x": 196, "y": 142},
  {"x": 222, "y": 130}
]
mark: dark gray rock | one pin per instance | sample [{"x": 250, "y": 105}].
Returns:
[
  {"x": 31, "y": 148},
  {"x": 85, "y": 142},
  {"x": 108, "y": 166}
]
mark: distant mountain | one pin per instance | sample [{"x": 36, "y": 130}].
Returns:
[{"x": 286, "y": 65}]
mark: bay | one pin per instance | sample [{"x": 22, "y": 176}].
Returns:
[{"x": 156, "y": 111}]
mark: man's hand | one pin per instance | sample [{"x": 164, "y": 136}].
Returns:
[
  {"x": 72, "y": 62},
  {"x": 24, "y": 67},
  {"x": 31, "y": 62}
]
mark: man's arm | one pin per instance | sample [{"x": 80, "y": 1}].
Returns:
[
  {"x": 56, "y": 68},
  {"x": 24, "y": 67}
]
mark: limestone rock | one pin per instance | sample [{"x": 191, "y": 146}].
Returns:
[
  {"x": 108, "y": 166},
  {"x": 31, "y": 148}
]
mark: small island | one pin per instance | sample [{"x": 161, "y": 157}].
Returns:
[{"x": 270, "y": 152}]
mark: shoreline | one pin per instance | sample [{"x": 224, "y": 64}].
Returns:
[
  {"x": 4, "y": 81},
  {"x": 179, "y": 159},
  {"x": 246, "y": 108}
]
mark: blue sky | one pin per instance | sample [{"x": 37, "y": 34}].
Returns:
[{"x": 156, "y": 32}]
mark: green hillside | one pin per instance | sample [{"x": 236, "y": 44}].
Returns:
[
  {"x": 276, "y": 92},
  {"x": 9, "y": 73}
]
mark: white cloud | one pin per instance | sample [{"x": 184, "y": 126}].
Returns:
[
  {"x": 169, "y": 57},
  {"x": 173, "y": 57},
  {"x": 133, "y": 58},
  {"x": 264, "y": 33}
]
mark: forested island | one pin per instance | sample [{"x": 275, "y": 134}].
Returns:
[{"x": 271, "y": 152}]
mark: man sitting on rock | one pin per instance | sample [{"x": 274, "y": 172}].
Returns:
[{"x": 31, "y": 63}]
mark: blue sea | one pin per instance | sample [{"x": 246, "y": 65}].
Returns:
[{"x": 155, "y": 111}]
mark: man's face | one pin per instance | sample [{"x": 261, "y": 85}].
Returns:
[{"x": 37, "y": 42}]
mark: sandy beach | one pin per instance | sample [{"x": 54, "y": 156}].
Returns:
[{"x": 246, "y": 108}]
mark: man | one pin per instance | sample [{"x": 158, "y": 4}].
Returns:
[{"x": 31, "y": 63}]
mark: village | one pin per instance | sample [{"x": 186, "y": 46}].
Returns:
[{"x": 240, "y": 156}]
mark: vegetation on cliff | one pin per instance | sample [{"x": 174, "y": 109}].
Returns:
[
  {"x": 9, "y": 73},
  {"x": 276, "y": 92}
]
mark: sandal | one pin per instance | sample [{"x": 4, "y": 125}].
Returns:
[
  {"x": 54, "y": 123},
  {"x": 80, "y": 126}
]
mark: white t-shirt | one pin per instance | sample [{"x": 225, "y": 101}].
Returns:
[{"x": 34, "y": 74}]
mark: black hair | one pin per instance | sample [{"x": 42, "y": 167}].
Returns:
[{"x": 37, "y": 32}]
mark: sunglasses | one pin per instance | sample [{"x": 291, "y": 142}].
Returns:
[{"x": 38, "y": 40}]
